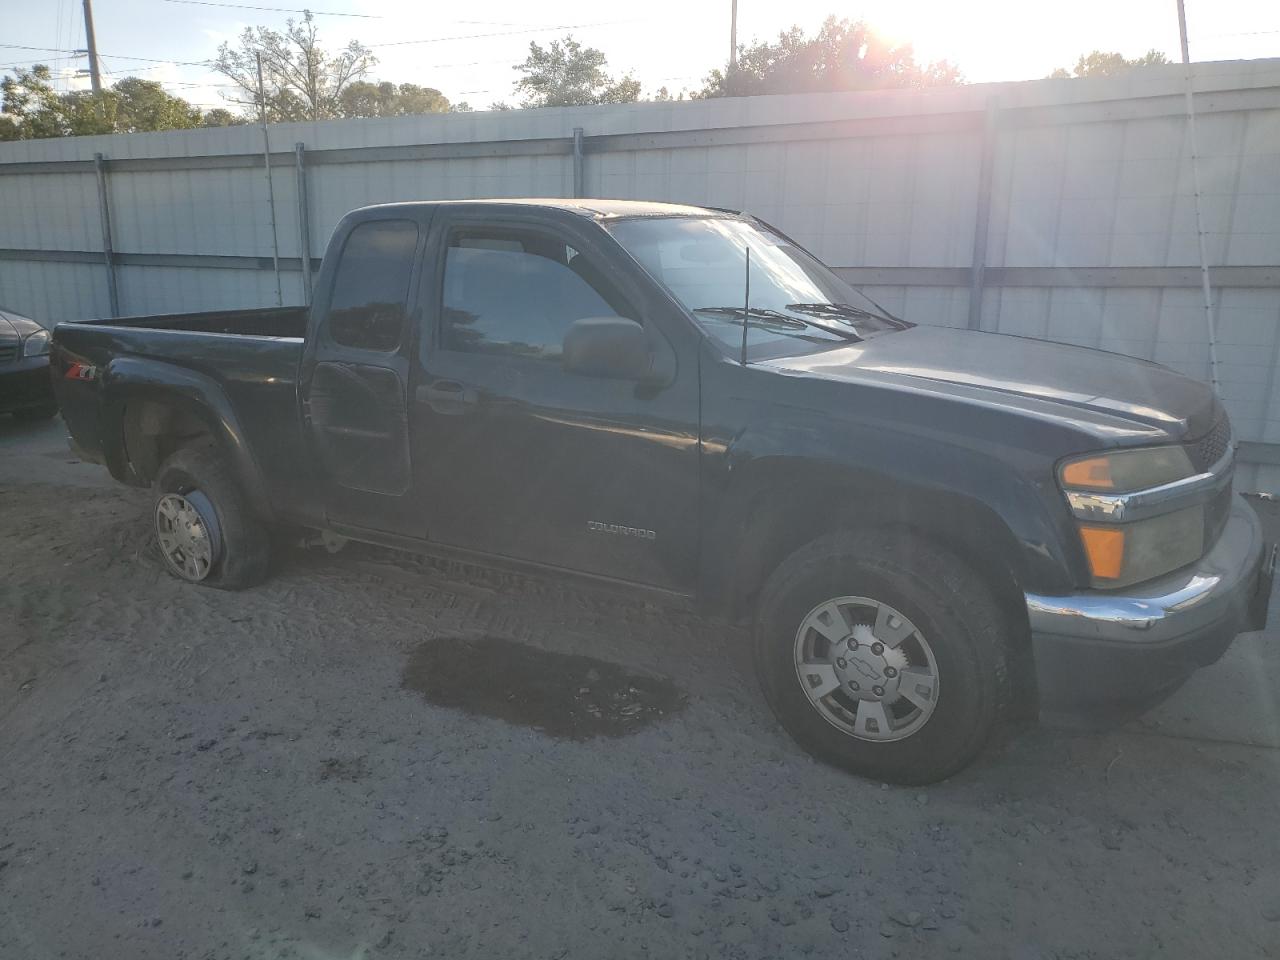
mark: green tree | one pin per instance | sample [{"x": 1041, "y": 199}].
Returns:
[
  {"x": 144, "y": 105},
  {"x": 221, "y": 117},
  {"x": 565, "y": 74},
  {"x": 365, "y": 99},
  {"x": 1101, "y": 64},
  {"x": 843, "y": 55},
  {"x": 302, "y": 80},
  {"x": 35, "y": 109}
]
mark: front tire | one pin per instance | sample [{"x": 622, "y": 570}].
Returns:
[
  {"x": 204, "y": 526},
  {"x": 883, "y": 654}
]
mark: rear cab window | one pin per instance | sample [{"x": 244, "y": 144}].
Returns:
[{"x": 369, "y": 306}]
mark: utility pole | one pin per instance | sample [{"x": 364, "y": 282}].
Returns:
[
  {"x": 95, "y": 73},
  {"x": 271, "y": 190},
  {"x": 732, "y": 36},
  {"x": 1193, "y": 150}
]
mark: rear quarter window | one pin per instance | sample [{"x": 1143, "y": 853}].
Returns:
[{"x": 369, "y": 306}]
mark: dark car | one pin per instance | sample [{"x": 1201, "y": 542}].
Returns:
[
  {"x": 929, "y": 529},
  {"x": 25, "y": 388}
]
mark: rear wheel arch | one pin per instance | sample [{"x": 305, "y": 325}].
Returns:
[
  {"x": 148, "y": 427},
  {"x": 152, "y": 430}
]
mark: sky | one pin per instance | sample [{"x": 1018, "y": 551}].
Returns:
[{"x": 468, "y": 51}]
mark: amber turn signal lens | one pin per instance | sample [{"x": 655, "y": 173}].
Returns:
[
  {"x": 1091, "y": 474},
  {"x": 1104, "y": 546}
]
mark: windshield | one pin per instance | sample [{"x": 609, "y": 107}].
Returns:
[{"x": 797, "y": 305}]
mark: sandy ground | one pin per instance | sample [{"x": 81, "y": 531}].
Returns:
[{"x": 186, "y": 773}]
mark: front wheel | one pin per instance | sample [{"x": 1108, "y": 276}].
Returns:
[
  {"x": 883, "y": 654},
  {"x": 204, "y": 526}
]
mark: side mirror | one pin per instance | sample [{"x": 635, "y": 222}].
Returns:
[{"x": 612, "y": 347}]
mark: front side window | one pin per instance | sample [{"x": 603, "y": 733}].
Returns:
[
  {"x": 371, "y": 287},
  {"x": 515, "y": 293},
  {"x": 796, "y": 304}
]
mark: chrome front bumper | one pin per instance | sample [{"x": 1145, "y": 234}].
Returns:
[{"x": 1133, "y": 645}]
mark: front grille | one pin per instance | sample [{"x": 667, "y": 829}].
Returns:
[
  {"x": 8, "y": 351},
  {"x": 1209, "y": 449}
]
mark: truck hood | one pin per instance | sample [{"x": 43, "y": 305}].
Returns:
[
  {"x": 1093, "y": 381},
  {"x": 13, "y": 326}
]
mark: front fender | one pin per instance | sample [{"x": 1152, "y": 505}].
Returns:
[
  {"x": 779, "y": 482},
  {"x": 127, "y": 380}
]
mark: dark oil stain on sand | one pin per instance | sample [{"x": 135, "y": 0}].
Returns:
[{"x": 564, "y": 696}]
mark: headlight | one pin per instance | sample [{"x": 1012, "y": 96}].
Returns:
[
  {"x": 1122, "y": 553},
  {"x": 36, "y": 345},
  {"x": 1125, "y": 471}
]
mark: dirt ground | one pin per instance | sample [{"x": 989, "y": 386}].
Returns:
[{"x": 186, "y": 773}]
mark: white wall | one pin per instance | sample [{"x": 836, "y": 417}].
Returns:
[{"x": 1091, "y": 176}]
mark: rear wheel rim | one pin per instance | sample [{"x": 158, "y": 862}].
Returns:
[
  {"x": 866, "y": 668},
  {"x": 187, "y": 530}
]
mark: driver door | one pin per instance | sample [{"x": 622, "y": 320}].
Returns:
[{"x": 521, "y": 458}]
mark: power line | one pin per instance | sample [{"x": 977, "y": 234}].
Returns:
[
  {"x": 33, "y": 63},
  {"x": 393, "y": 43},
  {"x": 509, "y": 33},
  {"x": 114, "y": 56},
  {"x": 197, "y": 83},
  {"x": 1243, "y": 33},
  {"x": 494, "y": 23},
  {"x": 507, "y": 61},
  {"x": 57, "y": 30},
  {"x": 249, "y": 6}
]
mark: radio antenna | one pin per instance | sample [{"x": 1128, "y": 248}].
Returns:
[{"x": 746, "y": 308}]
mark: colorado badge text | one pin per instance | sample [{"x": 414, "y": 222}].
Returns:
[{"x": 621, "y": 531}]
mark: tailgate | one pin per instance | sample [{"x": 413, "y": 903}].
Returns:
[{"x": 75, "y": 384}]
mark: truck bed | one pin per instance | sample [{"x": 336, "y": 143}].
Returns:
[
  {"x": 251, "y": 357},
  {"x": 268, "y": 322}
]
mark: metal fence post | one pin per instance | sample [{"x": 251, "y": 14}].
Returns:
[
  {"x": 579, "y": 185},
  {"x": 304, "y": 219},
  {"x": 982, "y": 218},
  {"x": 104, "y": 214}
]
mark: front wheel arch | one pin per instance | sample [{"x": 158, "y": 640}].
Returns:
[
  {"x": 961, "y": 528},
  {"x": 943, "y": 599}
]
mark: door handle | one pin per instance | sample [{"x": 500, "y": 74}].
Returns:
[{"x": 447, "y": 396}]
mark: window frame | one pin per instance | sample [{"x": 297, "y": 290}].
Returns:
[
  {"x": 497, "y": 226},
  {"x": 408, "y": 331}
]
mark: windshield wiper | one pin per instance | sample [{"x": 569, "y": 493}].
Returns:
[
  {"x": 776, "y": 318},
  {"x": 846, "y": 310}
]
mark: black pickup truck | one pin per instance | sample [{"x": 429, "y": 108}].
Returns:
[{"x": 928, "y": 529}]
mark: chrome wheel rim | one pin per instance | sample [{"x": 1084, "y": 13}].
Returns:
[
  {"x": 188, "y": 540},
  {"x": 866, "y": 669}
]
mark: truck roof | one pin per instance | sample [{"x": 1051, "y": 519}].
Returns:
[{"x": 592, "y": 209}]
